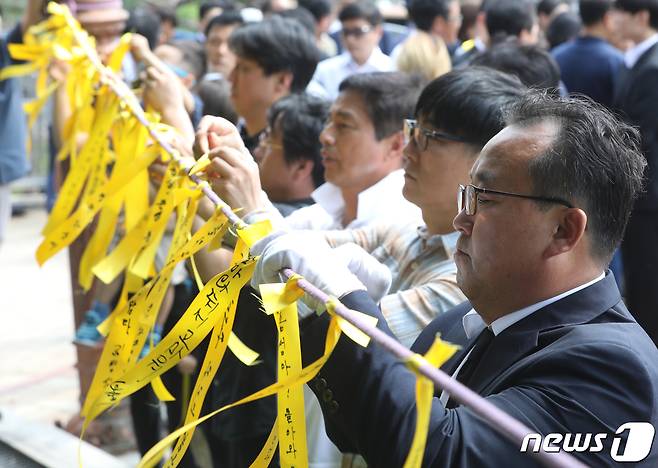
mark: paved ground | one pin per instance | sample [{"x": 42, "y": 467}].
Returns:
[{"x": 38, "y": 379}]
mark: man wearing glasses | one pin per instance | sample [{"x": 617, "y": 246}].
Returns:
[
  {"x": 361, "y": 31},
  {"x": 545, "y": 334},
  {"x": 362, "y": 143},
  {"x": 456, "y": 115}
]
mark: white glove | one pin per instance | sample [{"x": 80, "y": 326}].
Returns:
[
  {"x": 307, "y": 255},
  {"x": 375, "y": 276}
]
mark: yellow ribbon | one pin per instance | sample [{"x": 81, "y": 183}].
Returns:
[{"x": 436, "y": 356}]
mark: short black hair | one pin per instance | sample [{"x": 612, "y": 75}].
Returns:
[
  {"x": 509, "y": 17},
  {"x": 563, "y": 28},
  {"x": 546, "y": 7},
  {"x": 389, "y": 98},
  {"x": 365, "y": 10},
  {"x": 299, "y": 118},
  {"x": 142, "y": 21},
  {"x": 593, "y": 11},
  {"x": 166, "y": 14},
  {"x": 424, "y": 12},
  {"x": 225, "y": 5},
  {"x": 302, "y": 15},
  {"x": 594, "y": 162},
  {"x": 216, "y": 98},
  {"x": 469, "y": 102},
  {"x": 535, "y": 67},
  {"x": 226, "y": 18},
  {"x": 278, "y": 44},
  {"x": 318, "y": 8},
  {"x": 633, "y": 6}
]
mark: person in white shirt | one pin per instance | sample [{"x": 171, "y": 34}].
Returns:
[
  {"x": 220, "y": 58},
  {"x": 361, "y": 31},
  {"x": 362, "y": 145},
  {"x": 274, "y": 58},
  {"x": 557, "y": 349}
]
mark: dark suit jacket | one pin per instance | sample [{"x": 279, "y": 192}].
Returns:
[
  {"x": 579, "y": 365},
  {"x": 636, "y": 97}
]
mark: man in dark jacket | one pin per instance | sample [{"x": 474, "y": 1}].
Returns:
[
  {"x": 546, "y": 336},
  {"x": 637, "y": 98}
]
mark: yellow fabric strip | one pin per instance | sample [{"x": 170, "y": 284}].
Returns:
[
  {"x": 252, "y": 233},
  {"x": 14, "y": 71},
  {"x": 290, "y": 402},
  {"x": 346, "y": 327},
  {"x": 218, "y": 344},
  {"x": 160, "y": 390},
  {"x": 100, "y": 241},
  {"x": 158, "y": 217},
  {"x": 244, "y": 353},
  {"x": 269, "y": 449},
  {"x": 307, "y": 373},
  {"x": 78, "y": 173},
  {"x": 114, "y": 358},
  {"x": 209, "y": 308},
  {"x": 437, "y": 355},
  {"x": 200, "y": 165}
]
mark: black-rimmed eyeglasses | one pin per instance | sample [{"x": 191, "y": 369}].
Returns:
[
  {"x": 467, "y": 198},
  {"x": 420, "y": 135}
]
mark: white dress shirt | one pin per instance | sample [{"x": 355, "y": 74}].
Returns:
[
  {"x": 633, "y": 54},
  {"x": 332, "y": 71},
  {"x": 381, "y": 201},
  {"x": 473, "y": 323}
]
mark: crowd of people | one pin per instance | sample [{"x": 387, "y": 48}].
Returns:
[{"x": 354, "y": 127}]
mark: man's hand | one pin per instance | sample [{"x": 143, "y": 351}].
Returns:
[
  {"x": 161, "y": 92},
  {"x": 374, "y": 276},
  {"x": 326, "y": 268},
  {"x": 139, "y": 47},
  {"x": 235, "y": 179},
  {"x": 232, "y": 173},
  {"x": 216, "y": 131}
]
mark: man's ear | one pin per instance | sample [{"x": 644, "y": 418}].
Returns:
[
  {"x": 301, "y": 169},
  {"x": 283, "y": 83},
  {"x": 396, "y": 145},
  {"x": 438, "y": 25},
  {"x": 379, "y": 30},
  {"x": 569, "y": 231},
  {"x": 644, "y": 17}
]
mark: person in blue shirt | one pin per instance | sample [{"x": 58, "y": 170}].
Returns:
[
  {"x": 13, "y": 162},
  {"x": 590, "y": 64}
]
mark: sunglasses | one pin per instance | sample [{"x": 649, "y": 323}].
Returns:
[{"x": 356, "y": 32}]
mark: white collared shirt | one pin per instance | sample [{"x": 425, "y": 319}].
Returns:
[
  {"x": 633, "y": 54},
  {"x": 380, "y": 201},
  {"x": 473, "y": 323},
  {"x": 332, "y": 71}
]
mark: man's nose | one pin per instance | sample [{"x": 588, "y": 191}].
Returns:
[
  {"x": 326, "y": 136},
  {"x": 463, "y": 223},
  {"x": 409, "y": 153}
]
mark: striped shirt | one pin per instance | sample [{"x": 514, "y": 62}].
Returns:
[{"x": 423, "y": 272}]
